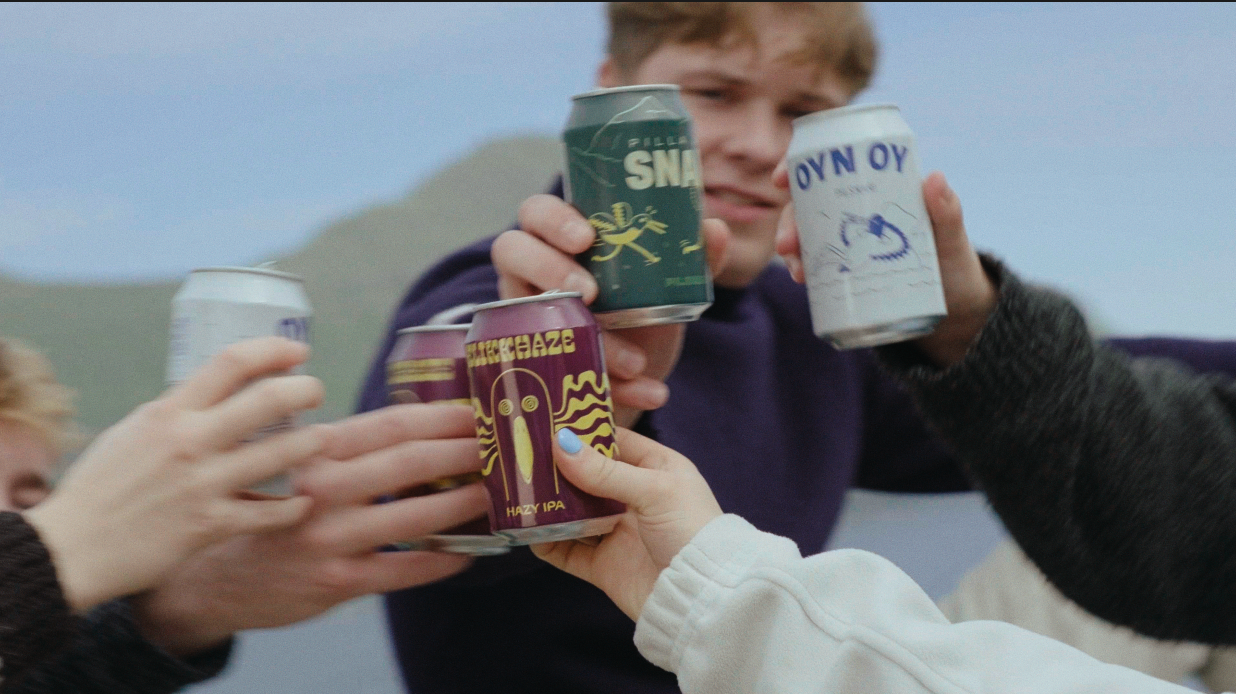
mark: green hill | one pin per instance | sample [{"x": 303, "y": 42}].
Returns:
[{"x": 110, "y": 341}]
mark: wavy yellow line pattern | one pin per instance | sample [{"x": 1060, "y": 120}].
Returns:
[{"x": 571, "y": 385}]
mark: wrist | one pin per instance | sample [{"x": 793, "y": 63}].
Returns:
[
  {"x": 73, "y": 554},
  {"x": 170, "y": 622}
]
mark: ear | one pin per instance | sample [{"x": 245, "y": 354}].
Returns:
[{"x": 607, "y": 74}]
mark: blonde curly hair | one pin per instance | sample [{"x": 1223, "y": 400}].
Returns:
[{"x": 30, "y": 395}]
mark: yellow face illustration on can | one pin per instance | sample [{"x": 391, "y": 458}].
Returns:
[
  {"x": 523, "y": 425},
  {"x": 518, "y": 438}
]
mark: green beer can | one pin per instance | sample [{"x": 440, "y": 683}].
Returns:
[{"x": 633, "y": 171}]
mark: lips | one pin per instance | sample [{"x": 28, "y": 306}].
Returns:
[{"x": 737, "y": 205}]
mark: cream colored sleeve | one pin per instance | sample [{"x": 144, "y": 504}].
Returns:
[
  {"x": 739, "y": 611},
  {"x": 1219, "y": 672},
  {"x": 1008, "y": 587}
]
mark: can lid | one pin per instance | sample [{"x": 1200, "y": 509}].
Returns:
[
  {"x": 629, "y": 88},
  {"x": 434, "y": 328},
  {"x": 841, "y": 111},
  {"x": 547, "y": 296},
  {"x": 252, "y": 270}
]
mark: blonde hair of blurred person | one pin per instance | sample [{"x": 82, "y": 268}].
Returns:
[{"x": 36, "y": 425}]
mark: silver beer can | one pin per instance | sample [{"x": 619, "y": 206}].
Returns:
[
  {"x": 868, "y": 252},
  {"x": 219, "y": 306}
]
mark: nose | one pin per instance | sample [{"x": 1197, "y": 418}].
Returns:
[{"x": 761, "y": 139}]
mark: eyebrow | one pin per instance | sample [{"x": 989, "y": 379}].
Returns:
[
  {"x": 737, "y": 81},
  {"x": 726, "y": 77}
]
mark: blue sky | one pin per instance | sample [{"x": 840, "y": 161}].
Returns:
[{"x": 1093, "y": 145}]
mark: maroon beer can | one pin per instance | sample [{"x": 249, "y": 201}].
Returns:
[
  {"x": 427, "y": 365},
  {"x": 537, "y": 366}
]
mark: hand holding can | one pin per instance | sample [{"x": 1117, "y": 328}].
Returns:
[
  {"x": 220, "y": 306},
  {"x": 427, "y": 365},
  {"x": 536, "y": 368},
  {"x": 969, "y": 294},
  {"x": 868, "y": 250},
  {"x": 633, "y": 171}
]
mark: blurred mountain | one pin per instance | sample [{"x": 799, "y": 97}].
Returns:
[{"x": 110, "y": 341}]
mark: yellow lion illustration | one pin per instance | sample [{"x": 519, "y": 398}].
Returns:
[{"x": 621, "y": 230}]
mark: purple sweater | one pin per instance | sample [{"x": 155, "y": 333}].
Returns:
[{"x": 779, "y": 423}]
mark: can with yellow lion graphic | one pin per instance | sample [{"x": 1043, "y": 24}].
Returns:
[
  {"x": 536, "y": 366},
  {"x": 633, "y": 171}
]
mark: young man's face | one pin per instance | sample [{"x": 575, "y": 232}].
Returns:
[
  {"x": 26, "y": 462},
  {"x": 742, "y": 100}
]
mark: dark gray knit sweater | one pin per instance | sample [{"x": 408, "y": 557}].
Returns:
[
  {"x": 1116, "y": 475},
  {"x": 44, "y": 649}
]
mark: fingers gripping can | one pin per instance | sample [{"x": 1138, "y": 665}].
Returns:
[
  {"x": 633, "y": 171},
  {"x": 536, "y": 367},
  {"x": 867, "y": 246},
  {"x": 219, "y": 306},
  {"x": 427, "y": 365}
]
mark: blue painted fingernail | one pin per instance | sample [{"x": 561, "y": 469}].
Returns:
[{"x": 569, "y": 441}]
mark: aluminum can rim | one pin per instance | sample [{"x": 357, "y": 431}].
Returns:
[
  {"x": 252, "y": 270},
  {"x": 433, "y": 328},
  {"x": 547, "y": 296},
  {"x": 828, "y": 114},
  {"x": 629, "y": 88}
]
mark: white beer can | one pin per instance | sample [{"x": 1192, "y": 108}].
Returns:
[
  {"x": 219, "y": 306},
  {"x": 868, "y": 253}
]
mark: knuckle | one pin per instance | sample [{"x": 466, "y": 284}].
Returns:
[
  {"x": 606, "y": 469},
  {"x": 275, "y": 394},
  {"x": 157, "y": 412},
  {"x": 505, "y": 245},
  {"x": 398, "y": 423},
  {"x": 338, "y": 578},
  {"x": 206, "y": 520},
  {"x": 310, "y": 483},
  {"x": 315, "y": 390},
  {"x": 532, "y": 210},
  {"x": 235, "y": 358},
  {"x": 321, "y": 538},
  {"x": 316, "y": 438},
  {"x": 187, "y": 442}
]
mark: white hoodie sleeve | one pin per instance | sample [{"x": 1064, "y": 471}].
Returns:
[
  {"x": 1007, "y": 586},
  {"x": 741, "y": 611}
]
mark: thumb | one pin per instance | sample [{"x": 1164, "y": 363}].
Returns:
[
  {"x": 716, "y": 235},
  {"x": 944, "y": 208},
  {"x": 599, "y": 475},
  {"x": 969, "y": 295},
  {"x": 781, "y": 176}
]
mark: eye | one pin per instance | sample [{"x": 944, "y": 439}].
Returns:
[
  {"x": 718, "y": 95},
  {"x": 505, "y": 408},
  {"x": 530, "y": 403},
  {"x": 797, "y": 112}
]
